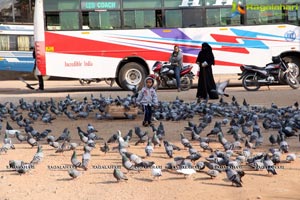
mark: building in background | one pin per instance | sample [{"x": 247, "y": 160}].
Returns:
[{"x": 16, "y": 11}]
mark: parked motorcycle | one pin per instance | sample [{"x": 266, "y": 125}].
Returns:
[
  {"x": 164, "y": 75},
  {"x": 253, "y": 77}
]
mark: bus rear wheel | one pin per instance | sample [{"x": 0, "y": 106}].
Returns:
[{"x": 132, "y": 75}]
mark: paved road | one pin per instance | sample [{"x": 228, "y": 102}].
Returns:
[{"x": 14, "y": 90}]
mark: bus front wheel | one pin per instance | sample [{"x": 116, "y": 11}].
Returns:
[{"x": 132, "y": 75}]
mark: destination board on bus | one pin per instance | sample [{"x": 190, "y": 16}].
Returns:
[{"x": 96, "y": 4}]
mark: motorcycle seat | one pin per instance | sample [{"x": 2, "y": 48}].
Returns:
[
  {"x": 185, "y": 67},
  {"x": 253, "y": 67}
]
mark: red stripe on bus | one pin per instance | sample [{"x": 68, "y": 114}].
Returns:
[{"x": 79, "y": 46}]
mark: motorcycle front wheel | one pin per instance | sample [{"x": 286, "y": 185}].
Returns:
[
  {"x": 185, "y": 83},
  {"x": 291, "y": 80},
  {"x": 250, "y": 82}
]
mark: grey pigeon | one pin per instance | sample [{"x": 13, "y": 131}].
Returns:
[
  {"x": 105, "y": 148},
  {"x": 38, "y": 156},
  {"x": 290, "y": 157},
  {"x": 168, "y": 148},
  {"x": 86, "y": 157},
  {"x": 24, "y": 168},
  {"x": 184, "y": 141},
  {"x": 13, "y": 164},
  {"x": 20, "y": 137},
  {"x": 75, "y": 162},
  {"x": 74, "y": 173},
  {"x": 149, "y": 148},
  {"x": 233, "y": 176},
  {"x": 65, "y": 136},
  {"x": 212, "y": 173},
  {"x": 205, "y": 146},
  {"x": 127, "y": 164},
  {"x": 119, "y": 176},
  {"x": 220, "y": 88},
  {"x": 269, "y": 165},
  {"x": 31, "y": 141}
]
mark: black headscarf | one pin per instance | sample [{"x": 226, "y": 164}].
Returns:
[{"x": 206, "y": 54}]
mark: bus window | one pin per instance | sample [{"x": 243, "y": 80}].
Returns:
[
  {"x": 141, "y": 4},
  {"x": 294, "y": 17},
  {"x": 221, "y": 17},
  {"x": 213, "y": 17},
  {"x": 23, "y": 43},
  {"x": 192, "y": 18},
  {"x": 158, "y": 18},
  {"x": 52, "y": 21},
  {"x": 62, "y": 21},
  {"x": 173, "y": 18},
  {"x": 4, "y": 42},
  {"x": 69, "y": 20},
  {"x": 102, "y": 20},
  {"x": 12, "y": 43}
]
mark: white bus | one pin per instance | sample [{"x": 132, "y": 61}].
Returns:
[
  {"x": 16, "y": 45},
  {"x": 121, "y": 39}
]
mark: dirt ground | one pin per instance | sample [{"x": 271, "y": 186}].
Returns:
[{"x": 49, "y": 179}]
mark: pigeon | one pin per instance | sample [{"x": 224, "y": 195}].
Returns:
[
  {"x": 220, "y": 88},
  {"x": 28, "y": 85},
  {"x": 91, "y": 128},
  {"x": 86, "y": 157},
  {"x": 155, "y": 140},
  {"x": 31, "y": 141},
  {"x": 74, "y": 173},
  {"x": 168, "y": 148},
  {"x": 272, "y": 139},
  {"x": 119, "y": 176},
  {"x": 38, "y": 156},
  {"x": 290, "y": 157},
  {"x": 127, "y": 164},
  {"x": 75, "y": 162},
  {"x": 11, "y": 131},
  {"x": 142, "y": 138},
  {"x": 65, "y": 136},
  {"x": 149, "y": 148},
  {"x": 199, "y": 166},
  {"x": 156, "y": 171},
  {"x": 105, "y": 148},
  {"x": 14, "y": 164},
  {"x": 184, "y": 141},
  {"x": 205, "y": 146},
  {"x": 269, "y": 165},
  {"x": 62, "y": 147},
  {"x": 212, "y": 173},
  {"x": 233, "y": 176},
  {"x": 186, "y": 171},
  {"x": 24, "y": 168}
]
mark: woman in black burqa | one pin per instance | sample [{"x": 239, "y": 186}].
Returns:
[{"x": 206, "y": 82}]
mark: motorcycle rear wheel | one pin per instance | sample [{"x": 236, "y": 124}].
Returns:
[
  {"x": 291, "y": 80},
  {"x": 250, "y": 82},
  {"x": 185, "y": 83}
]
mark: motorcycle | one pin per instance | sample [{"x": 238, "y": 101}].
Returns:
[
  {"x": 278, "y": 71},
  {"x": 164, "y": 75}
]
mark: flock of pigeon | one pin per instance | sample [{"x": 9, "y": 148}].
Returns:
[{"x": 220, "y": 137}]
